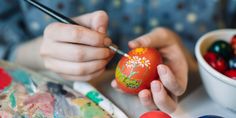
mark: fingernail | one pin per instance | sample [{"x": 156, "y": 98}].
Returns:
[
  {"x": 134, "y": 44},
  {"x": 114, "y": 84},
  {"x": 107, "y": 41},
  {"x": 102, "y": 30},
  {"x": 156, "y": 86},
  {"x": 161, "y": 70},
  {"x": 143, "y": 94}
]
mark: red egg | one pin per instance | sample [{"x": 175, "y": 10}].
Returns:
[
  {"x": 216, "y": 62},
  {"x": 233, "y": 44},
  {"x": 210, "y": 57},
  {"x": 135, "y": 73},
  {"x": 233, "y": 40},
  {"x": 231, "y": 74},
  {"x": 5, "y": 79}
]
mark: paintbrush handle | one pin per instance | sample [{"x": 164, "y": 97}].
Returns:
[
  {"x": 52, "y": 13},
  {"x": 61, "y": 18}
]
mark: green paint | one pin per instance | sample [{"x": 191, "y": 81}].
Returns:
[
  {"x": 131, "y": 83},
  {"x": 21, "y": 76},
  {"x": 132, "y": 74},
  {"x": 94, "y": 96},
  {"x": 12, "y": 99},
  {"x": 90, "y": 111},
  {"x": 39, "y": 114}
]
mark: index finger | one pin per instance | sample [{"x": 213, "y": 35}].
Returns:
[
  {"x": 159, "y": 37},
  {"x": 75, "y": 34}
]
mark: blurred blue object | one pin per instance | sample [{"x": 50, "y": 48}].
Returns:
[{"x": 211, "y": 116}]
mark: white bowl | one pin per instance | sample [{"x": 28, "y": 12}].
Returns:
[{"x": 219, "y": 87}]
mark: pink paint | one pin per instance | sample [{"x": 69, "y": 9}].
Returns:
[
  {"x": 4, "y": 114},
  {"x": 40, "y": 101}
]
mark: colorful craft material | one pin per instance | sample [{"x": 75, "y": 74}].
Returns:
[
  {"x": 26, "y": 94},
  {"x": 89, "y": 91}
]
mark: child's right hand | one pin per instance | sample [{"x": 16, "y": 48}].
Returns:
[{"x": 76, "y": 52}]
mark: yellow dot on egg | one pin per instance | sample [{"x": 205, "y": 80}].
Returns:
[
  {"x": 142, "y": 61},
  {"x": 129, "y": 57},
  {"x": 191, "y": 17},
  {"x": 139, "y": 50}
]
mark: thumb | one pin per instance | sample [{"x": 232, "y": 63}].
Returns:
[
  {"x": 157, "y": 38},
  {"x": 97, "y": 21}
]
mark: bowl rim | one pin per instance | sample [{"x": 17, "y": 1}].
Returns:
[{"x": 205, "y": 65}]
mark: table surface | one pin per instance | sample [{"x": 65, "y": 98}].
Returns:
[{"x": 197, "y": 103}]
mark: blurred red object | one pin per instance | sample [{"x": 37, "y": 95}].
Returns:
[
  {"x": 233, "y": 44},
  {"x": 231, "y": 74},
  {"x": 5, "y": 79},
  {"x": 155, "y": 114}
]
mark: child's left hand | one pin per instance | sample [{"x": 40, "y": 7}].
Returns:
[{"x": 173, "y": 73}]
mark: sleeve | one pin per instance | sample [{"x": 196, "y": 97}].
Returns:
[
  {"x": 231, "y": 14},
  {"x": 11, "y": 28}
]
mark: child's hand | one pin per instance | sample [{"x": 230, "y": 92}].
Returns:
[
  {"x": 76, "y": 52},
  {"x": 173, "y": 73}
]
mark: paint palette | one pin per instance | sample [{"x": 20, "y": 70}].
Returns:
[{"x": 26, "y": 94}]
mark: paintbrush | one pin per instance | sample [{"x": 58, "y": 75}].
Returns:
[{"x": 61, "y": 18}]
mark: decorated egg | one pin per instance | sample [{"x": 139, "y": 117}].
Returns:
[
  {"x": 210, "y": 57},
  {"x": 221, "y": 48},
  {"x": 135, "y": 73},
  {"x": 216, "y": 61}
]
